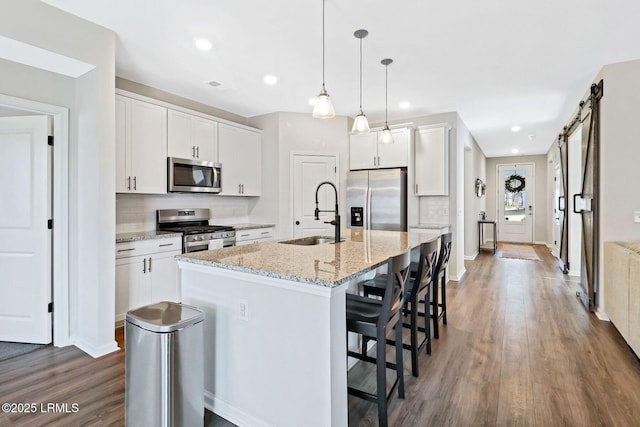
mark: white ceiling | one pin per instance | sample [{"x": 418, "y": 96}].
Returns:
[{"x": 497, "y": 63}]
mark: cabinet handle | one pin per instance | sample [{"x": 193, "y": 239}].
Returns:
[
  {"x": 378, "y": 160},
  {"x": 239, "y": 191},
  {"x": 144, "y": 266},
  {"x": 265, "y": 232},
  {"x": 129, "y": 182},
  {"x": 198, "y": 152},
  {"x": 374, "y": 160},
  {"x": 149, "y": 265},
  {"x": 165, "y": 244},
  {"x": 242, "y": 188},
  {"x": 135, "y": 183},
  {"x": 193, "y": 151},
  {"x": 126, "y": 250},
  {"x": 416, "y": 188},
  {"x": 244, "y": 235}
]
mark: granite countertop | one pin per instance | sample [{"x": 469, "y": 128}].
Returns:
[
  {"x": 326, "y": 264},
  {"x": 250, "y": 226},
  {"x": 429, "y": 226},
  {"x": 145, "y": 235}
]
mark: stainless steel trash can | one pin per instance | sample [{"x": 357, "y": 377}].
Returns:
[{"x": 164, "y": 367}]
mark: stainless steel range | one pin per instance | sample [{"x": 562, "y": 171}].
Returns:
[{"x": 197, "y": 234}]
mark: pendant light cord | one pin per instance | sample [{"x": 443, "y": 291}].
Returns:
[
  {"x": 323, "y": 89},
  {"x": 386, "y": 93},
  {"x": 361, "y": 75}
]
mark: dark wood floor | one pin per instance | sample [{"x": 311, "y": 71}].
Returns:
[{"x": 519, "y": 350}]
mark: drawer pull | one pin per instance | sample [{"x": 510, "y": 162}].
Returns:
[
  {"x": 165, "y": 244},
  {"x": 126, "y": 250},
  {"x": 245, "y": 235},
  {"x": 265, "y": 232}
]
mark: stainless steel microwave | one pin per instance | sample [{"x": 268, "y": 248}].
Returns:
[{"x": 193, "y": 176}]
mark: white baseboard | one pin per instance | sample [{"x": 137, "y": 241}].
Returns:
[
  {"x": 602, "y": 315},
  {"x": 540, "y": 243},
  {"x": 95, "y": 351},
  {"x": 230, "y": 412},
  {"x": 471, "y": 257},
  {"x": 457, "y": 277}
]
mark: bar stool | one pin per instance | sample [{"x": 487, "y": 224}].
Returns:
[
  {"x": 440, "y": 279},
  {"x": 418, "y": 290},
  {"x": 374, "y": 319}
]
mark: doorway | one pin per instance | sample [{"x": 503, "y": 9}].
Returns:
[
  {"x": 309, "y": 170},
  {"x": 516, "y": 195},
  {"x": 58, "y": 205}
]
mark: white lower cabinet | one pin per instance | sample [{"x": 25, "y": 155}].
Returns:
[
  {"x": 146, "y": 273},
  {"x": 254, "y": 235}
]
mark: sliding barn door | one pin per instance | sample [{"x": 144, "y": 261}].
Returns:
[
  {"x": 586, "y": 201},
  {"x": 563, "y": 217},
  {"x": 582, "y": 207}
]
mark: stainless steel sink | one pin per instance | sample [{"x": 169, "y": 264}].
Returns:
[{"x": 309, "y": 241}]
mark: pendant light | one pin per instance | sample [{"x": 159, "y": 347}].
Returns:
[
  {"x": 360, "y": 124},
  {"x": 323, "y": 108},
  {"x": 386, "y": 137}
]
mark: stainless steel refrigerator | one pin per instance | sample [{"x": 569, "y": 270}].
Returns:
[{"x": 377, "y": 199}]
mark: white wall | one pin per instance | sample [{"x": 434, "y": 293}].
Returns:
[
  {"x": 91, "y": 103},
  {"x": 474, "y": 167},
  {"x": 540, "y": 208},
  {"x": 620, "y": 151},
  {"x": 284, "y": 133}
]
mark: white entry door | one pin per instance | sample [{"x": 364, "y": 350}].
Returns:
[
  {"x": 308, "y": 172},
  {"x": 516, "y": 193},
  {"x": 25, "y": 240}
]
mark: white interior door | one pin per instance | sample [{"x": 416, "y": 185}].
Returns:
[
  {"x": 25, "y": 240},
  {"x": 516, "y": 208},
  {"x": 308, "y": 172}
]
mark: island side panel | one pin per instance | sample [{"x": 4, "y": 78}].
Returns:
[{"x": 285, "y": 365}]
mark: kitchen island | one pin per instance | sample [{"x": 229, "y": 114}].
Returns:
[{"x": 275, "y": 340}]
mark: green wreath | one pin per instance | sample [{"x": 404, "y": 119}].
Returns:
[{"x": 514, "y": 184}]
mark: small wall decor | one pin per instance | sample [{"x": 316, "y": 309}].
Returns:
[
  {"x": 514, "y": 183},
  {"x": 480, "y": 187}
]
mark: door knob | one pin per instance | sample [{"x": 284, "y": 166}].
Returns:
[{"x": 297, "y": 222}]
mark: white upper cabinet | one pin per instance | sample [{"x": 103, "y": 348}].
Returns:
[
  {"x": 192, "y": 137},
  {"x": 432, "y": 160},
  {"x": 363, "y": 150},
  {"x": 367, "y": 152},
  {"x": 240, "y": 153},
  {"x": 141, "y": 147}
]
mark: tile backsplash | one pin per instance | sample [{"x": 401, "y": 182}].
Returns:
[
  {"x": 434, "y": 210},
  {"x": 137, "y": 212}
]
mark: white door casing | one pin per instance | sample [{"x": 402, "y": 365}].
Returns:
[
  {"x": 308, "y": 171},
  {"x": 25, "y": 240},
  {"x": 516, "y": 210}
]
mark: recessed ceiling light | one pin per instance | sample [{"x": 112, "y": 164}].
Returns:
[
  {"x": 515, "y": 151},
  {"x": 270, "y": 79},
  {"x": 213, "y": 83},
  {"x": 532, "y": 136},
  {"x": 203, "y": 44},
  {"x": 313, "y": 101},
  {"x": 404, "y": 105},
  {"x": 515, "y": 128}
]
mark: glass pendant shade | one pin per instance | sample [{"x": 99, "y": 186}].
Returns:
[
  {"x": 323, "y": 108},
  {"x": 386, "y": 137},
  {"x": 360, "y": 124}
]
